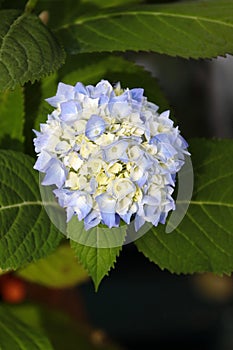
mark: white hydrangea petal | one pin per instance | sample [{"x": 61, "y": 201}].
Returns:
[
  {"x": 122, "y": 188},
  {"x": 107, "y": 207}
]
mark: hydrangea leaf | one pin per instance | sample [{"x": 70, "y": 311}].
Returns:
[
  {"x": 12, "y": 119},
  {"x": 60, "y": 11},
  {"x": 26, "y": 233},
  {"x": 97, "y": 261},
  {"x": 188, "y": 29},
  {"x": 89, "y": 70},
  {"x": 15, "y": 334},
  {"x": 203, "y": 242},
  {"x": 28, "y": 50},
  {"x": 111, "y": 3},
  {"x": 58, "y": 270}
]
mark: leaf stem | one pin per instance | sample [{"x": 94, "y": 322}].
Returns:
[{"x": 30, "y": 5}]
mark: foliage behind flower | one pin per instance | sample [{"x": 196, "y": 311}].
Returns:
[{"x": 111, "y": 155}]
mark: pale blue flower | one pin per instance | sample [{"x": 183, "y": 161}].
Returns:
[{"x": 110, "y": 154}]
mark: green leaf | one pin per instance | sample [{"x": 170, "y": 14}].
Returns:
[
  {"x": 26, "y": 233},
  {"x": 88, "y": 246},
  {"x": 12, "y": 119},
  {"x": 15, "y": 334},
  {"x": 60, "y": 11},
  {"x": 198, "y": 29},
  {"x": 28, "y": 50},
  {"x": 58, "y": 270},
  {"x": 91, "y": 69},
  {"x": 111, "y": 3},
  {"x": 203, "y": 242}
]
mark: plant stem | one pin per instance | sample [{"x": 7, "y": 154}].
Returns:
[{"x": 30, "y": 5}]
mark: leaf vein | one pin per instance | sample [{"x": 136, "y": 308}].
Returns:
[{"x": 222, "y": 250}]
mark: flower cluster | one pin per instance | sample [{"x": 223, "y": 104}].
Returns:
[{"x": 111, "y": 155}]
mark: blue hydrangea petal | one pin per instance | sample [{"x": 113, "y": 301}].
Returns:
[
  {"x": 43, "y": 161},
  {"x": 64, "y": 92},
  {"x": 80, "y": 89},
  {"x": 103, "y": 88},
  {"x": 81, "y": 202},
  {"x": 95, "y": 127},
  {"x": 69, "y": 111},
  {"x": 139, "y": 221},
  {"x": 92, "y": 219},
  {"x": 103, "y": 100},
  {"x": 137, "y": 94},
  {"x": 56, "y": 174}
]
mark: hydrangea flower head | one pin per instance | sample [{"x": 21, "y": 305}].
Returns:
[{"x": 110, "y": 154}]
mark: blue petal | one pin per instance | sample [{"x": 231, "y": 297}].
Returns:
[
  {"x": 40, "y": 142},
  {"x": 102, "y": 88},
  {"x": 103, "y": 100},
  {"x": 163, "y": 217},
  {"x": 110, "y": 220},
  {"x": 69, "y": 111},
  {"x": 95, "y": 127},
  {"x": 62, "y": 195},
  {"x": 81, "y": 203},
  {"x": 64, "y": 92},
  {"x": 137, "y": 94},
  {"x": 43, "y": 162},
  {"x": 92, "y": 219},
  {"x": 184, "y": 143},
  {"x": 138, "y": 222},
  {"x": 55, "y": 175},
  {"x": 80, "y": 88},
  {"x": 69, "y": 213},
  {"x": 126, "y": 217}
]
